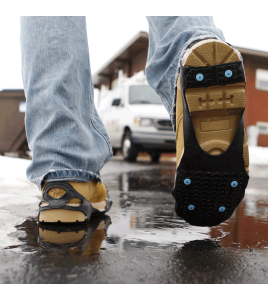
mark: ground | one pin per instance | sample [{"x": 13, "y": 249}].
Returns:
[{"x": 141, "y": 240}]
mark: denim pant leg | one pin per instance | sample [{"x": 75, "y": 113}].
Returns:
[
  {"x": 64, "y": 131},
  {"x": 169, "y": 37}
]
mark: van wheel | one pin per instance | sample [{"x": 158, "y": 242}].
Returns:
[
  {"x": 155, "y": 156},
  {"x": 129, "y": 149}
]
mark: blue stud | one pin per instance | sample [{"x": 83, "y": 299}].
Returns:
[
  {"x": 199, "y": 77},
  {"x": 234, "y": 184},
  {"x": 222, "y": 209},
  {"x": 228, "y": 73},
  {"x": 191, "y": 207},
  {"x": 187, "y": 181}
]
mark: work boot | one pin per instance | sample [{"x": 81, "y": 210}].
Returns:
[
  {"x": 212, "y": 150},
  {"x": 70, "y": 202}
]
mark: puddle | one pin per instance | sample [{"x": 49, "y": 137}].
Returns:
[
  {"x": 143, "y": 217},
  {"x": 142, "y": 228}
]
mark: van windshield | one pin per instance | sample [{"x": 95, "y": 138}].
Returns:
[{"x": 143, "y": 94}]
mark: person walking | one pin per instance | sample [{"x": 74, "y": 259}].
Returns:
[{"x": 201, "y": 81}]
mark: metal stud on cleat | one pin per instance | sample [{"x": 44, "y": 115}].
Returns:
[
  {"x": 199, "y": 77},
  {"x": 228, "y": 73},
  {"x": 234, "y": 184},
  {"x": 187, "y": 181}
]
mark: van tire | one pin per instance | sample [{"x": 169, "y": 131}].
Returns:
[
  {"x": 155, "y": 156},
  {"x": 129, "y": 149}
]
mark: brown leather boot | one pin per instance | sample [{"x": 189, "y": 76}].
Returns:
[{"x": 70, "y": 202}]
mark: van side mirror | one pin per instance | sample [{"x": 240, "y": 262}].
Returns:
[{"x": 116, "y": 102}]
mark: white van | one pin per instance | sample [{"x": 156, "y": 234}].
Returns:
[{"x": 135, "y": 118}]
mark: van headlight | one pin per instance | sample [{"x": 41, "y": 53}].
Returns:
[{"x": 143, "y": 122}]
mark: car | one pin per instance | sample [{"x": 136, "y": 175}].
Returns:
[{"x": 136, "y": 119}]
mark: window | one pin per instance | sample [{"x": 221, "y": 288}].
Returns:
[
  {"x": 143, "y": 94},
  {"x": 262, "y": 79},
  {"x": 263, "y": 127}
]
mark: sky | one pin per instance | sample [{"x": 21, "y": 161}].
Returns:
[{"x": 108, "y": 33}]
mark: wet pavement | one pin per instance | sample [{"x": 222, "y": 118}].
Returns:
[{"x": 141, "y": 239}]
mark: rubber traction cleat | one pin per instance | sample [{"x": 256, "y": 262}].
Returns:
[{"x": 207, "y": 111}]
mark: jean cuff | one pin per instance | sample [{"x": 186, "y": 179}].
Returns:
[{"x": 67, "y": 175}]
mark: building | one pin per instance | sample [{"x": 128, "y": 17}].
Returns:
[
  {"x": 12, "y": 129},
  {"x": 132, "y": 59}
]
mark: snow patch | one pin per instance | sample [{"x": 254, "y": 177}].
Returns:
[
  {"x": 13, "y": 171},
  {"x": 258, "y": 155},
  {"x": 7, "y": 227}
]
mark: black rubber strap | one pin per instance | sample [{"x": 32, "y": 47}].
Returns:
[
  {"x": 61, "y": 202},
  {"x": 213, "y": 75}
]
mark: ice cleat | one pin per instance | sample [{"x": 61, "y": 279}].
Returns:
[
  {"x": 71, "y": 202},
  {"x": 212, "y": 150},
  {"x": 85, "y": 238}
]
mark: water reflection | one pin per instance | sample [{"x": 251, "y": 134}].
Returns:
[
  {"x": 146, "y": 242},
  {"x": 74, "y": 240},
  {"x": 143, "y": 213},
  {"x": 248, "y": 226},
  {"x": 147, "y": 206},
  {"x": 84, "y": 239},
  {"x": 206, "y": 262},
  {"x": 144, "y": 218}
]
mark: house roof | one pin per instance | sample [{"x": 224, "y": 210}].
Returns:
[
  {"x": 252, "y": 52},
  {"x": 135, "y": 46}
]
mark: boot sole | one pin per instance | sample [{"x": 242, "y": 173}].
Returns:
[
  {"x": 216, "y": 110},
  {"x": 203, "y": 185}
]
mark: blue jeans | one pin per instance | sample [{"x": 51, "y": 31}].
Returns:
[{"x": 64, "y": 131}]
